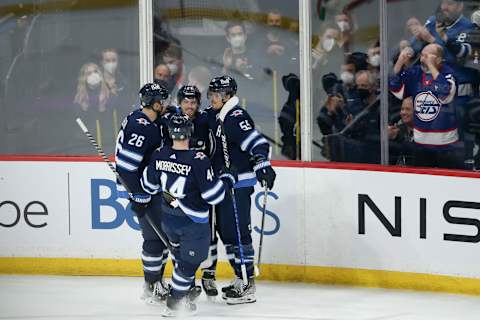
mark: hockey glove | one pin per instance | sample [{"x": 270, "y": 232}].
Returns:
[
  {"x": 263, "y": 170},
  {"x": 139, "y": 203},
  {"x": 229, "y": 177}
]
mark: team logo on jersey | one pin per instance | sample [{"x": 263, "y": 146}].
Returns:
[
  {"x": 237, "y": 113},
  {"x": 427, "y": 106},
  {"x": 200, "y": 155},
  {"x": 143, "y": 121}
]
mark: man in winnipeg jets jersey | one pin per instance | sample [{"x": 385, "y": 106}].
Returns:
[
  {"x": 238, "y": 142},
  {"x": 432, "y": 87},
  {"x": 188, "y": 176},
  {"x": 138, "y": 138},
  {"x": 189, "y": 98}
]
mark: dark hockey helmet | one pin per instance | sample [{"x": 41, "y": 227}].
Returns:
[
  {"x": 225, "y": 84},
  {"x": 180, "y": 127},
  {"x": 151, "y": 93},
  {"x": 189, "y": 92}
]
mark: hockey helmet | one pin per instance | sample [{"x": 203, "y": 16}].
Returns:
[
  {"x": 189, "y": 92},
  {"x": 225, "y": 84},
  {"x": 180, "y": 127},
  {"x": 151, "y": 93}
]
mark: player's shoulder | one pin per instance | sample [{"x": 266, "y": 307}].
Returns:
[
  {"x": 201, "y": 117},
  {"x": 139, "y": 120},
  {"x": 237, "y": 114},
  {"x": 199, "y": 159}
]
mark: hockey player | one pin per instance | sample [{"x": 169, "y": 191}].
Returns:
[
  {"x": 138, "y": 138},
  {"x": 188, "y": 176},
  {"x": 248, "y": 152},
  {"x": 432, "y": 87},
  {"x": 189, "y": 98}
]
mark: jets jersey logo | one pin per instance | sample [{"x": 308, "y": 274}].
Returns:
[
  {"x": 200, "y": 155},
  {"x": 427, "y": 106},
  {"x": 143, "y": 121},
  {"x": 237, "y": 113}
]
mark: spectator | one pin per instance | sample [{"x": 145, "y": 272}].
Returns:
[
  {"x": 401, "y": 135},
  {"x": 92, "y": 90},
  {"x": 94, "y": 99},
  {"x": 447, "y": 23},
  {"x": 402, "y": 130},
  {"x": 334, "y": 115},
  {"x": 327, "y": 51},
  {"x": 173, "y": 58},
  {"x": 365, "y": 91},
  {"x": 432, "y": 87},
  {"x": 238, "y": 57},
  {"x": 374, "y": 58},
  {"x": 114, "y": 79},
  {"x": 162, "y": 76},
  {"x": 345, "y": 25}
]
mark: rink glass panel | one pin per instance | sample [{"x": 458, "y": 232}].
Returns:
[
  {"x": 263, "y": 53},
  {"x": 345, "y": 128},
  {"x": 44, "y": 46}
]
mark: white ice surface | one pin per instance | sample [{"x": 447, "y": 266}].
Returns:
[{"x": 83, "y": 298}]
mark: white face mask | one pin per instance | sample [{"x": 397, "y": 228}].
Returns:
[
  {"x": 343, "y": 26},
  {"x": 374, "y": 60},
  {"x": 237, "y": 41},
  {"x": 328, "y": 44},
  {"x": 347, "y": 77},
  {"x": 94, "y": 79},
  {"x": 110, "y": 67},
  {"x": 173, "y": 68},
  {"x": 476, "y": 17}
]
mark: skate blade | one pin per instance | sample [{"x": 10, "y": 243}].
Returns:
[
  {"x": 212, "y": 299},
  {"x": 154, "y": 301},
  {"x": 247, "y": 299}
]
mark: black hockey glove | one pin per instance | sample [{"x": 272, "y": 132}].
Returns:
[
  {"x": 139, "y": 203},
  {"x": 263, "y": 170},
  {"x": 229, "y": 177}
]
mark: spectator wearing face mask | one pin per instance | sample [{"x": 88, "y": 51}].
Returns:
[
  {"x": 93, "y": 99},
  {"x": 238, "y": 58},
  {"x": 346, "y": 35},
  {"x": 115, "y": 80},
  {"x": 173, "y": 58},
  {"x": 92, "y": 90},
  {"x": 327, "y": 54}
]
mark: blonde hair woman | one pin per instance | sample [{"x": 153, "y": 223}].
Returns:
[{"x": 92, "y": 90}]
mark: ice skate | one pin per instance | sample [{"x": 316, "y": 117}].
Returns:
[
  {"x": 209, "y": 285},
  {"x": 184, "y": 306},
  {"x": 241, "y": 293},
  {"x": 155, "y": 293}
]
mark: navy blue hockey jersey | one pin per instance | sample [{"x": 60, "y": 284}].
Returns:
[
  {"x": 243, "y": 141},
  {"x": 200, "y": 138},
  {"x": 137, "y": 139},
  {"x": 188, "y": 176},
  {"x": 435, "y": 120}
]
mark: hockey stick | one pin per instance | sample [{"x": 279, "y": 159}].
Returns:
[
  {"x": 100, "y": 152},
  {"x": 228, "y": 164},
  {"x": 264, "y": 212}
]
